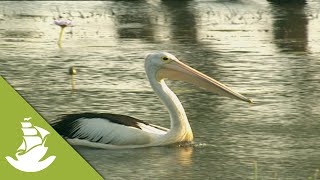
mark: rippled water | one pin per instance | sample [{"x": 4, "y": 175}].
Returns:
[{"x": 267, "y": 52}]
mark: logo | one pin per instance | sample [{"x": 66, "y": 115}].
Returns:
[{"x": 32, "y": 149}]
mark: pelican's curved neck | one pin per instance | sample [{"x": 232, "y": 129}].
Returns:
[{"x": 180, "y": 129}]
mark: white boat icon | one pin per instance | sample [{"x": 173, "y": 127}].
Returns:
[{"x": 32, "y": 149}]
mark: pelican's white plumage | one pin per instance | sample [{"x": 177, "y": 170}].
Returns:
[{"x": 104, "y": 130}]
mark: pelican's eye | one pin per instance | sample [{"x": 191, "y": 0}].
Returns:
[{"x": 165, "y": 59}]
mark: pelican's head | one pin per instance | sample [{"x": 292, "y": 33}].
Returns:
[{"x": 163, "y": 65}]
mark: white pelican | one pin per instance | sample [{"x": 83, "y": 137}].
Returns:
[{"x": 104, "y": 130}]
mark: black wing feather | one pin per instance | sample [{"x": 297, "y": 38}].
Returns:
[{"x": 65, "y": 126}]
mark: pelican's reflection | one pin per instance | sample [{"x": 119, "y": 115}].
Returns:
[{"x": 184, "y": 155}]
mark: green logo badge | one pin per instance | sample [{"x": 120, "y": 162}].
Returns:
[{"x": 30, "y": 148}]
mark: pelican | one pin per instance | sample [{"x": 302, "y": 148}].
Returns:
[{"x": 103, "y": 130}]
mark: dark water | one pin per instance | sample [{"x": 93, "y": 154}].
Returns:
[{"x": 267, "y": 52}]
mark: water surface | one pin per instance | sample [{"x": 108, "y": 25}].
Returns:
[{"x": 267, "y": 52}]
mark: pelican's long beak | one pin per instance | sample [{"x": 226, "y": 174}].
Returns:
[{"x": 176, "y": 70}]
